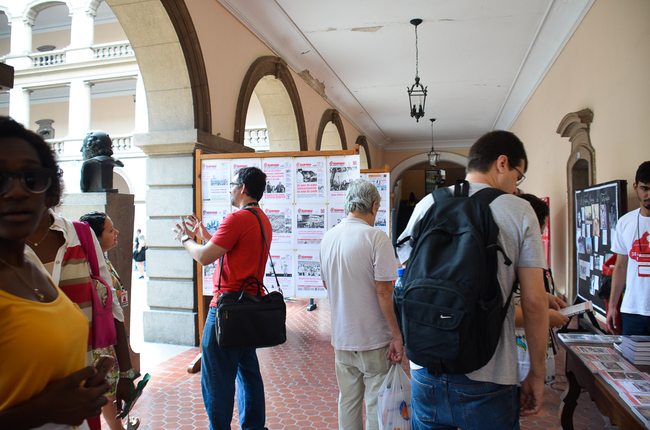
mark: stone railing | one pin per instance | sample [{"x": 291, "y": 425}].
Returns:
[
  {"x": 256, "y": 138},
  {"x": 50, "y": 58},
  {"x": 122, "y": 143},
  {"x": 112, "y": 50},
  {"x": 57, "y": 146}
]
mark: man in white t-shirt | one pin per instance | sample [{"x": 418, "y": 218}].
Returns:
[
  {"x": 488, "y": 398},
  {"x": 358, "y": 267},
  {"x": 631, "y": 241}
]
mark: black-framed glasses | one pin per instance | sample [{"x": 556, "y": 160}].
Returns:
[
  {"x": 520, "y": 180},
  {"x": 33, "y": 180},
  {"x": 234, "y": 184}
]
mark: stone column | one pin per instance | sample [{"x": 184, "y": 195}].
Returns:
[
  {"x": 19, "y": 105},
  {"x": 171, "y": 288},
  {"x": 21, "y": 41},
  {"x": 82, "y": 35},
  {"x": 79, "y": 108},
  {"x": 141, "y": 111}
]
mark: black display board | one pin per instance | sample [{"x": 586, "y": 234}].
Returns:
[{"x": 598, "y": 209}]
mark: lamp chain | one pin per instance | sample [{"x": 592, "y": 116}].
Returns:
[{"x": 416, "y": 53}]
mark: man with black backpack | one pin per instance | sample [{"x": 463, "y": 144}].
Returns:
[{"x": 465, "y": 252}]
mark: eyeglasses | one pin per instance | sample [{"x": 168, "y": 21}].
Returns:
[
  {"x": 234, "y": 184},
  {"x": 520, "y": 180},
  {"x": 33, "y": 180}
]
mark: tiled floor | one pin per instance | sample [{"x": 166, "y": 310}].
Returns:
[{"x": 300, "y": 384}]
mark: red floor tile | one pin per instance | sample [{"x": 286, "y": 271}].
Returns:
[{"x": 300, "y": 385}]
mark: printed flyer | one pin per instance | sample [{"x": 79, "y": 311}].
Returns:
[
  {"x": 310, "y": 226},
  {"x": 310, "y": 179},
  {"x": 336, "y": 213},
  {"x": 308, "y": 282},
  {"x": 240, "y": 163},
  {"x": 281, "y": 218},
  {"x": 283, "y": 261},
  {"x": 379, "y": 180},
  {"x": 341, "y": 170},
  {"x": 215, "y": 181},
  {"x": 279, "y": 180}
]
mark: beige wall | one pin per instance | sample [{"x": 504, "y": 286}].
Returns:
[
  {"x": 114, "y": 115},
  {"x": 106, "y": 33},
  {"x": 56, "y": 111},
  {"x": 604, "y": 67},
  {"x": 59, "y": 39}
]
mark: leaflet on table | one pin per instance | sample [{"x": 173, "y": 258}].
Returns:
[
  {"x": 279, "y": 180},
  {"x": 335, "y": 214},
  {"x": 379, "y": 180},
  {"x": 601, "y": 357},
  {"x": 593, "y": 350},
  {"x": 589, "y": 338},
  {"x": 635, "y": 387},
  {"x": 341, "y": 171},
  {"x": 281, "y": 218},
  {"x": 310, "y": 179},
  {"x": 308, "y": 281},
  {"x": 283, "y": 262},
  {"x": 643, "y": 412},
  {"x": 239, "y": 163},
  {"x": 212, "y": 215},
  {"x": 609, "y": 366},
  {"x": 215, "y": 180},
  {"x": 310, "y": 225}
]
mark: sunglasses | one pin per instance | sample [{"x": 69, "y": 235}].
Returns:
[{"x": 33, "y": 180}]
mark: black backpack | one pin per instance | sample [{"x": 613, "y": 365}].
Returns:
[{"x": 450, "y": 309}]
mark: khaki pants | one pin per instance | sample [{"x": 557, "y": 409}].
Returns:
[{"x": 359, "y": 375}]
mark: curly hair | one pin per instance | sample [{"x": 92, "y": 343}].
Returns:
[{"x": 11, "y": 128}]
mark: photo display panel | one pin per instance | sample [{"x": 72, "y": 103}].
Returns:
[{"x": 597, "y": 210}]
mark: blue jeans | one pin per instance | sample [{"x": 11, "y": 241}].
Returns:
[
  {"x": 219, "y": 370},
  {"x": 455, "y": 401},
  {"x": 634, "y": 324}
]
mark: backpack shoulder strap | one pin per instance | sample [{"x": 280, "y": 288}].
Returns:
[{"x": 488, "y": 195}]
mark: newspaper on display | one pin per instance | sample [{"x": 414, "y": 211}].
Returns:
[
  {"x": 303, "y": 198},
  {"x": 600, "y": 358},
  {"x": 634, "y": 389},
  {"x": 588, "y": 338}
]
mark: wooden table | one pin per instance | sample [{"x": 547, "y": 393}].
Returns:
[{"x": 607, "y": 400}]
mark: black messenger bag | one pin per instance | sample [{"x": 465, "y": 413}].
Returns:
[{"x": 247, "y": 321}]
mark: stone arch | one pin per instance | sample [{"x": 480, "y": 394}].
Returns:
[
  {"x": 364, "y": 152},
  {"x": 330, "y": 116},
  {"x": 269, "y": 66},
  {"x": 581, "y": 173},
  {"x": 396, "y": 173},
  {"x": 178, "y": 99}
]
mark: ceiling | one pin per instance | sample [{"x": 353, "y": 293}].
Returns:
[{"x": 481, "y": 60}]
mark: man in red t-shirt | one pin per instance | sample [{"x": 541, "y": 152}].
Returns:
[{"x": 239, "y": 241}]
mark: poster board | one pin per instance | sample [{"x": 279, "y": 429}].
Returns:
[
  {"x": 304, "y": 197},
  {"x": 598, "y": 209}
]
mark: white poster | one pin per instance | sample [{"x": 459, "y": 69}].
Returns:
[
  {"x": 212, "y": 215},
  {"x": 380, "y": 180},
  {"x": 335, "y": 214},
  {"x": 208, "y": 272},
  {"x": 215, "y": 180},
  {"x": 283, "y": 262},
  {"x": 310, "y": 180},
  {"x": 281, "y": 218},
  {"x": 310, "y": 226},
  {"x": 279, "y": 180},
  {"x": 341, "y": 170},
  {"x": 308, "y": 282},
  {"x": 240, "y": 163},
  {"x": 381, "y": 221}
]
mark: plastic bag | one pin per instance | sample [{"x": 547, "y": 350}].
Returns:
[{"x": 394, "y": 400}]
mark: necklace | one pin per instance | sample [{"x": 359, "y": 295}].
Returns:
[
  {"x": 39, "y": 295},
  {"x": 42, "y": 238},
  {"x": 252, "y": 205}
]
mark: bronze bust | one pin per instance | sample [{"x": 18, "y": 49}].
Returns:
[{"x": 97, "y": 169}]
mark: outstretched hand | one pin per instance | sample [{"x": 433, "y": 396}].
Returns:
[{"x": 197, "y": 227}]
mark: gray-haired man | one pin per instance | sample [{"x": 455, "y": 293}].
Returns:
[{"x": 358, "y": 267}]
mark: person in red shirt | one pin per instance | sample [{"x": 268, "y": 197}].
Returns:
[{"x": 239, "y": 241}]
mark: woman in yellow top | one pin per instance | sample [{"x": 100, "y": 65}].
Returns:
[{"x": 44, "y": 335}]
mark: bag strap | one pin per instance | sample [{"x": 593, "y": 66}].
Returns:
[
  {"x": 267, "y": 248},
  {"x": 267, "y": 245},
  {"x": 88, "y": 245}
]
